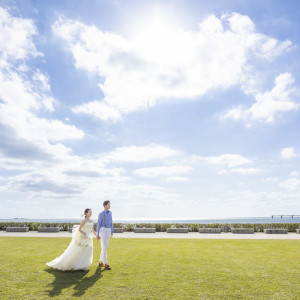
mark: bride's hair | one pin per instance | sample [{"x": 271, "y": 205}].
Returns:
[{"x": 86, "y": 211}]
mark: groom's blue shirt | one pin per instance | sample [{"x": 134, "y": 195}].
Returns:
[{"x": 108, "y": 221}]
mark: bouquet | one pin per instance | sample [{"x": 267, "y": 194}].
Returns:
[{"x": 80, "y": 239}]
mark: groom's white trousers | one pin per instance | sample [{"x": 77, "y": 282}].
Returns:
[{"x": 105, "y": 234}]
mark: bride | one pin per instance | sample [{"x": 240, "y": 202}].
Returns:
[{"x": 79, "y": 254}]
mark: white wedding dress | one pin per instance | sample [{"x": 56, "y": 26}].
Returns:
[{"x": 79, "y": 254}]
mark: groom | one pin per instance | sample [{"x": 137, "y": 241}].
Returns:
[{"x": 105, "y": 232}]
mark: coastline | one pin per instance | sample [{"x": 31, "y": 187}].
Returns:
[{"x": 235, "y": 220}]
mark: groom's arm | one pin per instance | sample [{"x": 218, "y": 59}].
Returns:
[
  {"x": 112, "y": 227},
  {"x": 99, "y": 224}
]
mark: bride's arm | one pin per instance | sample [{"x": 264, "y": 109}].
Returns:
[
  {"x": 79, "y": 229},
  {"x": 94, "y": 231}
]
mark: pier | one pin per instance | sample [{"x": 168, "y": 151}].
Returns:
[{"x": 292, "y": 216}]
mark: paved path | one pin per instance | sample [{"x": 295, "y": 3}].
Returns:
[{"x": 164, "y": 235}]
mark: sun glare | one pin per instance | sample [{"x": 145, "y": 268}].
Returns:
[{"x": 154, "y": 35}]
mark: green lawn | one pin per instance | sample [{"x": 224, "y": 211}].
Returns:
[{"x": 155, "y": 269}]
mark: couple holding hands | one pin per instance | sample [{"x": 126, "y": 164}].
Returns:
[{"x": 79, "y": 254}]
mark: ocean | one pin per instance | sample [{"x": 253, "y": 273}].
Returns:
[{"x": 252, "y": 220}]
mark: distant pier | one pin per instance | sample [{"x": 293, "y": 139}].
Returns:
[{"x": 292, "y": 216}]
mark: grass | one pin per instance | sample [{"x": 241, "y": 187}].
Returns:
[{"x": 154, "y": 269}]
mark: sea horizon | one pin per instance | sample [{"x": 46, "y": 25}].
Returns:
[{"x": 169, "y": 220}]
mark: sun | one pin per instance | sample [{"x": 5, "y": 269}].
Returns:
[{"x": 154, "y": 35}]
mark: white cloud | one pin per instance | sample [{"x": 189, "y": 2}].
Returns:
[
  {"x": 277, "y": 100},
  {"x": 243, "y": 171},
  {"x": 139, "y": 154},
  {"x": 29, "y": 143},
  {"x": 43, "y": 79},
  {"x": 99, "y": 110},
  {"x": 234, "y": 113},
  {"x": 288, "y": 153},
  {"x": 135, "y": 77},
  {"x": 247, "y": 171},
  {"x": 175, "y": 179},
  {"x": 271, "y": 179},
  {"x": 145, "y": 70},
  {"x": 22, "y": 118},
  {"x": 291, "y": 184},
  {"x": 169, "y": 171},
  {"x": 295, "y": 173},
  {"x": 23, "y": 132},
  {"x": 33, "y": 145},
  {"x": 16, "y": 37},
  {"x": 268, "y": 104},
  {"x": 55, "y": 130},
  {"x": 65, "y": 173},
  {"x": 228, "y": 160},
  {"x": 48, "y": 103},
  {"x": 230, "y": 163},
  {"x": 16, "y": 91},
  {"x": 269, "y": 202}
]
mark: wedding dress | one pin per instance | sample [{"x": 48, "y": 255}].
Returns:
[{"x": 79, "y": 254}]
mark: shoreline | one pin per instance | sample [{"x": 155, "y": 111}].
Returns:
[{"x": 237, "y": 220}]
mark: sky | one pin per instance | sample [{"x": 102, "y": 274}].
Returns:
[{"x": 169, "y": 109}]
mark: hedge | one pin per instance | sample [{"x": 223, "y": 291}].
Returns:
[{"x": 160, "y": 227}]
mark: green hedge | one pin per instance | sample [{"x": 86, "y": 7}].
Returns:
[
  {"x": 160, "y": 227},
  {"x": 35, "y": 225},
  {"x": 225, "y": 227}
]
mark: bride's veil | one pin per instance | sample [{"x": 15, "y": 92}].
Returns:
[{"x": 75, "y": 231}]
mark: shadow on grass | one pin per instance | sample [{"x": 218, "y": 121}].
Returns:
[
  {"x": 87, "y": 282},
  {"x": 65, "y": 279}
]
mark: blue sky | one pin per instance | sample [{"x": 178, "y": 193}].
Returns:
[{"x": 170, "y": 109}]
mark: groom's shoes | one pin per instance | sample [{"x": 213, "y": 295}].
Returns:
[{"x": 107, "y": 267}]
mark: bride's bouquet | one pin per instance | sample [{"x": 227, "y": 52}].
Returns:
[{"x": 80, "y": 239}]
